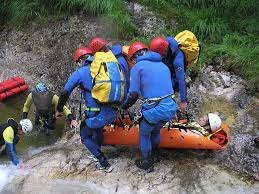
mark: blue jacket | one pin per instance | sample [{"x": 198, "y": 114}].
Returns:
[
  {"x": 150, "y": 76},
  {"x": 117, "y": 51},
  {"x": 175, "y": 61},
  {"x": 82, "y": 77}
]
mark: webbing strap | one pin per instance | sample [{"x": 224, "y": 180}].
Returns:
[
  {"x": 158, "y": 99},
  {"x": 92, "y": 109}
]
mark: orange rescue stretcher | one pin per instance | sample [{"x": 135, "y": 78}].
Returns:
[{"x": 170, "y": 137}]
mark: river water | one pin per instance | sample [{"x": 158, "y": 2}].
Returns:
[
  {"x": 181, "y": 171},
  {"x": 29, "y": 144}
]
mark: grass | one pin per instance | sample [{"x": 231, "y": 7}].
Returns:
[
  {"x": 236, "y": 47},
  {"x": 227, "y": 29},
  {"x": 19, "y": 12}
]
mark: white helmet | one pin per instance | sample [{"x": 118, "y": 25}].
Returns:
[
  {"x": 26, "y": 125},
  {"x": 215, "y": 121}
]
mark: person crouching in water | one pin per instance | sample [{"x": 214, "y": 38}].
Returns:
[
  {"x": 96, "y": 115},
  {"x": 10, "y": 133},
  {"x": 46, "y": 103},
  {"x": 151, "y": 78}
]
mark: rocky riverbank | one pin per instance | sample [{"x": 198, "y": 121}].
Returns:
[{"x": 45, "y": 53}]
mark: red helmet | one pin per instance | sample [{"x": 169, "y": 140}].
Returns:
[
  {"x": 97, "y": 43},
  {"x": 159, "y": 45},
  {"x": 135, "y": 47},
  {"x": 81, "y": 51}
]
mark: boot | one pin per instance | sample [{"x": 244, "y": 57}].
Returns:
[
  {"x": 145, "y": 164},
  {"x": 108, "y": 168},
  {"x": 103, "y": 164}
]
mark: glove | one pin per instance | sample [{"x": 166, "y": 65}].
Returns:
[{"x": 24, "y": 115}]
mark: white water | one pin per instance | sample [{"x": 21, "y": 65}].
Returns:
[{"x": 7, "y": 173}]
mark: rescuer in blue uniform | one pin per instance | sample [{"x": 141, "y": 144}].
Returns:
[
  {"x": 174, "y": 58},
  {"x": 96, "y": 115},
  {"x": 151, "y": 79},
  {"x": 99, "y": 44}
]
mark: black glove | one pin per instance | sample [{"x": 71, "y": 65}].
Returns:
[
  {"x": 24, "y": 115},
  {"x": 62, "y": 100},
  {"x": 131, "y": 99}
]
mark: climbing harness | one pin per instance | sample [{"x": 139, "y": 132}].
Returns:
[{"x": 151, "y": 101}]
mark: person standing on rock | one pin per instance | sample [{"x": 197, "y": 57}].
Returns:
[
  {"x": 46, "y": 103},
  {"x": 151, "y": 79},
  {"x": 100, "y": 45},
  {"x": 173, "y": 57},
  {"x": 96, "y": 115},
  {"x": 10, "y": 133}
]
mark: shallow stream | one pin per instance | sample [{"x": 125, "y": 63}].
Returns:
[{"x": 12, "y": 108}]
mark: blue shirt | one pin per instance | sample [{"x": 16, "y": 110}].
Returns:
[
  {"x": 150, "y": 76},
  {"x": 82, "y": 77}
]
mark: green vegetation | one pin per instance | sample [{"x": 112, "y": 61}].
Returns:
[
  {"x": 19, "y": 12},
  {"x": 227, "y": 29}
]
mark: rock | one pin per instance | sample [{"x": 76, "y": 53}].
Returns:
[
  {"x": 64, "y": 167},
  {"x": 226, "y": 80},
  {"x": 146, "y": 21},
  {"x": 202, "y": 88}
]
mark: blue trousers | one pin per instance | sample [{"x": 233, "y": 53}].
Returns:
[
  {"x": 92, "y": 139},
  {"x": 91, "y": 130},
  {"x": 149, "y": 136}
]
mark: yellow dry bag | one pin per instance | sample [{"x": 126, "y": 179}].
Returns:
[{"x": 189, "y": 44}]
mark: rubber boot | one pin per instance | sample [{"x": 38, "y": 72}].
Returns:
[
  {"x": 103, "y": 164},
  {"x": 145, "y": 164}
]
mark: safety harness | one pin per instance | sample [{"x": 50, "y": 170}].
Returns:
[{"x": 154, "y": 100}]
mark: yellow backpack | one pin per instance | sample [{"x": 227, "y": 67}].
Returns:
[
  {"x": 108, "y": 79},
  {"x": 189, "y": 44}
]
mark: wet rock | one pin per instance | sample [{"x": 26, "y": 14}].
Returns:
[
  {"x": 242, "y": 155},
  {"x": 180, "y": 172},
  {"x": 226, "y": 80},
  {"x": 147, "y": 23},
  {"x": 39, "y": 54}
]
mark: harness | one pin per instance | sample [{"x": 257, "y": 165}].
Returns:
[
  {"x": 92, "y": 109},
  {"x": 154, "y": 100}
]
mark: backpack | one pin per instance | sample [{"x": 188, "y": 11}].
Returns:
[
  {"x": 189, "y": 44},
  {"x": 43, "y": 102},
  {"x": 108, "y": 79}
]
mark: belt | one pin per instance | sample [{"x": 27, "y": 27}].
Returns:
[
  {"x": 92, "y": 109},
  {"x": 150, "y": 100}
]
